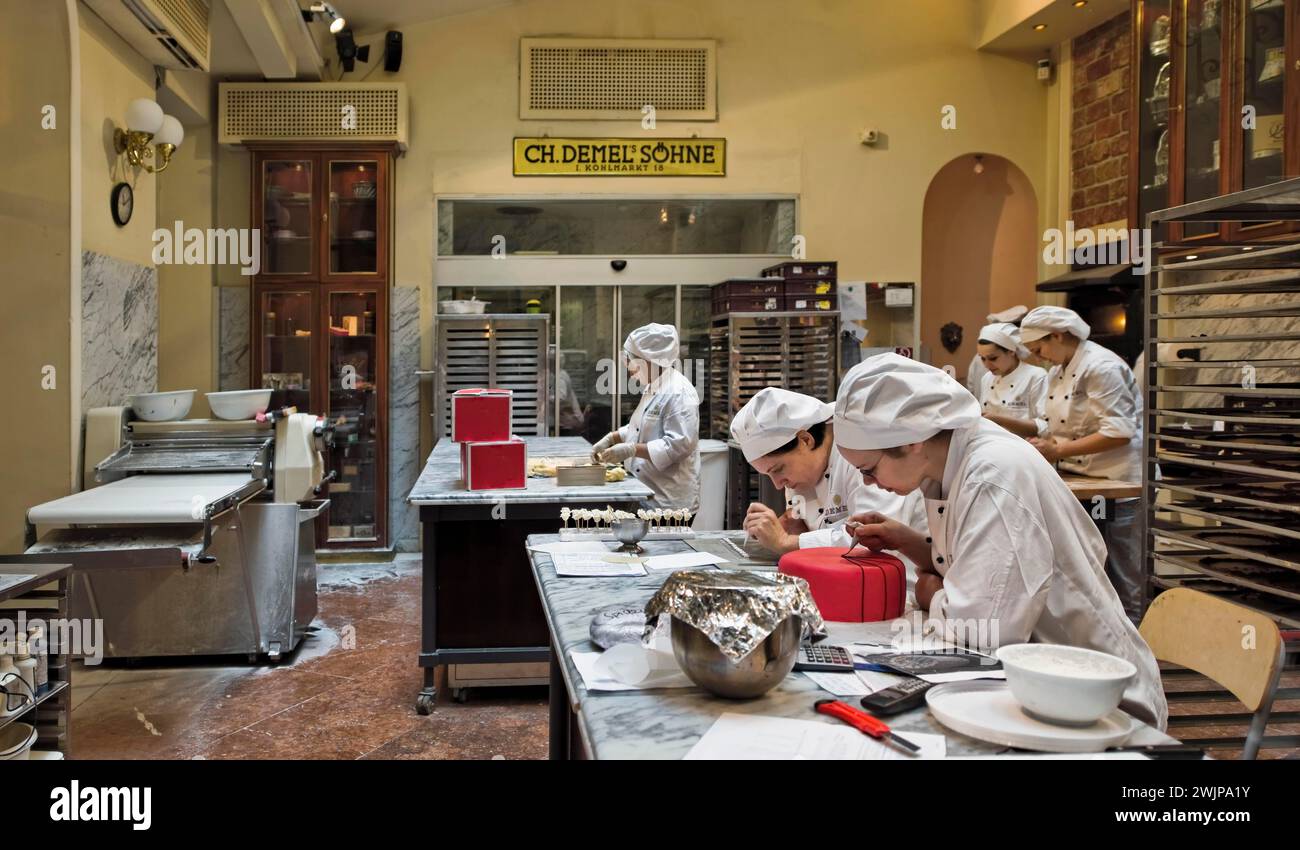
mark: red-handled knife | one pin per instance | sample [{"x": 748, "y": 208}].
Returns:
[{"x": 863, "y": 722}]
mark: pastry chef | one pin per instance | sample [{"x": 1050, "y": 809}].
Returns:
[
  {"x": 1013, "y": 392},
  {"x": 789, "y": 437},
  {"x": 1008, "y": 543},
  {"x": 1093, "y": 410},
  {"x": 660, "y": 444},
  {"x": 976, "y": 371}
]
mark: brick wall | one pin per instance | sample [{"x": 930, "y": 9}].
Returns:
[{"x": 1099, "y": 126}]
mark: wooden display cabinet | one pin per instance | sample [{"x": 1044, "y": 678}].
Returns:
[{"x": 320, "y": 315}]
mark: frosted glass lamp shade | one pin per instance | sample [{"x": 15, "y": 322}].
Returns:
[
  {"x": 170, "y": 133},
  {"x": 144, "y": 116}
]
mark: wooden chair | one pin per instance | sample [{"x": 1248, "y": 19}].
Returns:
[{"x": 1237, "y": 647}]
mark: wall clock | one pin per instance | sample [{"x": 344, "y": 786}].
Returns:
[{"x": 122, "y": 203}]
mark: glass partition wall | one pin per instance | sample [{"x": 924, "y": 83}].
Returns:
[{"x": 589, "y": 392}]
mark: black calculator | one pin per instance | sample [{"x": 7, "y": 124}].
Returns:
[
  {"x": 904, "y": 696},
  {"x": 819, "y": 658}
]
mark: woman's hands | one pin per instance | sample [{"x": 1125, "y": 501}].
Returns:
[
  {"x": 606, "y": 442},
  {"x": 618, "y": 453},
  {"x": 1048, "y": 447},
  {"x": 762, "y": 523},
  {"x": 878, "y": 532}
]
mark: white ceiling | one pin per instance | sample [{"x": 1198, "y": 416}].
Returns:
[
  {"x": 1009, "y": 24},
  {"x": 367, "y": 16}
]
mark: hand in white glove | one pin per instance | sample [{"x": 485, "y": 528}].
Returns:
[
  {"x": 618, "y": 453},
  {"x": 605, "y": 442}
]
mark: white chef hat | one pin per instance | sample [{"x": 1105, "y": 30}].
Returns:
[
  {"x": 1006, "y": 335},
  {"x": 1011, "y": 314},
  {"x": 773, "y": 417},
  {"x": 1043, "y": 321},
  {"x": 653, "y": 342},
  {"x": 888, "y": 401}
]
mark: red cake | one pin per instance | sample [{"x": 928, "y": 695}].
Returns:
[{"x": 864, "y": 588}]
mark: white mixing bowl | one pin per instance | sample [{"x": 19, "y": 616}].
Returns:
[
  {"x": 239, "y": 404},
  {"x": 1065, "y": 684},
  {"x": 162, "y": 407}
]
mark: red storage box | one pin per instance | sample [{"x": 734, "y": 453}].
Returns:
[
  {"x": 861, "y": 589},
  {"x": 498, "y": 465},
  {"x": 481, "y": 416}
]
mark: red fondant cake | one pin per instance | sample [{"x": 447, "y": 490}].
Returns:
[{"x": 868, "y": 587}]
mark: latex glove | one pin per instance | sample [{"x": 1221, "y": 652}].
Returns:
[
  {"x": 605, "y": 442},
  {"x": 618, "y": 453}
]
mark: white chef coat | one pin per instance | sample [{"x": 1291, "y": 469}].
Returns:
[
  {"x": 1096, "y": 393},
  {"x": 840, "y": 494},
  {"x": 975, "y": 373},
  {"x": 667, "y": 420},
  {"x": 1015, "y": 546},
  {"x": 1019, "y": 394}
]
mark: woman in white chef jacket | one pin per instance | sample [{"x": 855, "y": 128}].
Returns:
[
  {"x": 1013, "y": 392},
  {"x": 1008, "y": 543},
  {"x": 789, "y": 437},
  {"x": 660, "y": 444},
  {"x": 1093, "y": 411},
  {"x": 976, "y": 371}
]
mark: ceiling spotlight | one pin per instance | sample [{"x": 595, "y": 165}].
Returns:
[
  {"x": 979, "y": 163},
  {"x": 327, "y": 12},
  {"x": 1079, "y": 4},
  {"x": 1039, "y": 27},
  {"x": 349, "y": 53}
]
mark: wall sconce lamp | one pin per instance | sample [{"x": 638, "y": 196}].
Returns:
[{"x": 146, "y": 125}]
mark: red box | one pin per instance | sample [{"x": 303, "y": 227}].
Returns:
[
  {"x": 861, "y": 589},
  {"x": 481, "y": 416},
  {"x": 498, "y": 465}
]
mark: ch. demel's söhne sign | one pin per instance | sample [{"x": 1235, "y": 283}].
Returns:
[{"x": 620, "y": 157}]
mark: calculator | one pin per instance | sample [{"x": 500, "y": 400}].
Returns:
[
  {"x": 904, "y": 696},
  {"x": 818, "y": 658}
]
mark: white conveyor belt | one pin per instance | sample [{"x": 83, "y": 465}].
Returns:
[{"x": 142, "y": 499}]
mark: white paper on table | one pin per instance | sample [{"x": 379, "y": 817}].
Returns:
[
  {"x": 682, "y": 561},
  {"x": 586, "y": 664},
  {"x": 641, "y": 667},
  {"x": 962, "y": 676},
  {"x": 598, "y": 676},
  {"x": 859, "y": 683},
  {"x": 746, "y": 736},
  {"x": 591, "y": 564},
  {"x": 570, "y": 547}
]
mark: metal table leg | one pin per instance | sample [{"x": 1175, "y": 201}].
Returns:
[
  {"x": 428, "y": 696},
  {"x": 561, "y": 714}
]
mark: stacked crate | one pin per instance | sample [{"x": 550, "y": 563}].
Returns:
[
  {"x": 491, "y": 456},
  {"x": 794, "y": 287}
]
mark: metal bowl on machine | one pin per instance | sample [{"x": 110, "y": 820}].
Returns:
[
  {"x": 630, "y": 532},
  {"x": 754, "y": 675}
]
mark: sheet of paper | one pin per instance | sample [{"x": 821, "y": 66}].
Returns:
[
  {"x": 592, "y": 565},
  {"x": 600, "y": 677},
  {"x": 569, "y": 548},
  {"x": 641, "y": 667},
  {"x": 682, "y": 561},
  {"x": 745, "y": 736},
  {"x": 962, "y": 676},
  {"x": 840, "y": 684}
]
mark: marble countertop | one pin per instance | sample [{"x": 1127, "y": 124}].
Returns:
[
  {"x": 666, "y": 723},
  {"x": 439, "y": 483}
]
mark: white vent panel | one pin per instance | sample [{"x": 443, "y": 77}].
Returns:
[
  {"x": 614, "y": 79},
  {"x": 360, "y": 112}
]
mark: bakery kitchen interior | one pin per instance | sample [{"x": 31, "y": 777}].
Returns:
[{"x": 565, "y": 379}]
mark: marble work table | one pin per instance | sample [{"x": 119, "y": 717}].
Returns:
[
  {"x": 665, "y": 723},
  {"x": 479, "y": 604}
]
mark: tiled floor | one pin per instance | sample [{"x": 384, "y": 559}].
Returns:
[{"x": 348, "y": 692}]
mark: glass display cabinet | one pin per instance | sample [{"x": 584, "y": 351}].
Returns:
[{"x": 320, "y": 323}]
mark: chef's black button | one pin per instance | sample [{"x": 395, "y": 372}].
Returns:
[
  {"x": 821, "y": 510},
  {"x": 986, "y": 404},
  {"x": 1062, "y": 421},
  {"x": 939, "y": 560},
  {"x": 1013, "y": 386},
  {"x": 928, "y": 540},
  {"x": 1067, "y": 398},
  {"x": 940, "y": 510}
]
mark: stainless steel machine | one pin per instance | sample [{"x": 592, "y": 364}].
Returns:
[{"x": 199, "y": 536}]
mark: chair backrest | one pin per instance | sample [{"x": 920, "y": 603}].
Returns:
[{"x": 1237, "y": 647}]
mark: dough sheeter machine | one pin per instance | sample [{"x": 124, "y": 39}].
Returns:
[{"x": 192, "y": 537}]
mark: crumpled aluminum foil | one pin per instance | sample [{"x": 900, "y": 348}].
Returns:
[{"x": 736, "y": 609}]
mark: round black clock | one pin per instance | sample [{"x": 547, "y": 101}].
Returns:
[{"x": 122, "y": 203}]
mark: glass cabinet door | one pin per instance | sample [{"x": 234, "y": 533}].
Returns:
[
  {"x": 288, "y": 217},
  {"x": 353, "y": 375},
  {"x": 1203, "y": 74},
  {"x": 1155, "y": 75},
  {"x": 353, "y": 217},
  {"x": 1264, "y": 73},
  {"x": 286, "y": 347}
]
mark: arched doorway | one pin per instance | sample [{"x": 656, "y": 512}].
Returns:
[{"x": 979, "y": 250}]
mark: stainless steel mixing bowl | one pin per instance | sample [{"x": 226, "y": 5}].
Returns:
[
  {"x": 629, "y": 532},
  {"x": 756, "y": 674}
]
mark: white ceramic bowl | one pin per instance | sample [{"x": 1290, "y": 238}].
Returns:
[
  {"x": 456, "y": 308},
  {"x": 162, "y": 407},
  {"x": 1065, "y": 684},
  {"x": 239, "y": 404}
]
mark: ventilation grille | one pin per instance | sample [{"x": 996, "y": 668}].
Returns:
[
  {"x": 614, "y": 79},
  {"x": 363, "y": 112},
  {"x": 169, "y": 33},
  {"x": 508, "y": 354}
]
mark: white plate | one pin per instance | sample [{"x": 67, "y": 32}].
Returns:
[{"x": 988, "y": 711}]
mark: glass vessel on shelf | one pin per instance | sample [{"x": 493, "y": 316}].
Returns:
[
  {"x": 353, "y": 217},
  {"x": 286, "y": 341},
  {"x": 287, "y": 243}
]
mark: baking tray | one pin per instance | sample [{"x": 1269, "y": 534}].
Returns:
[
  {"x": 1193, "y": 536},
  {"x": 1245, "y": 468},
  {"x": 1278, "y": 582}
]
